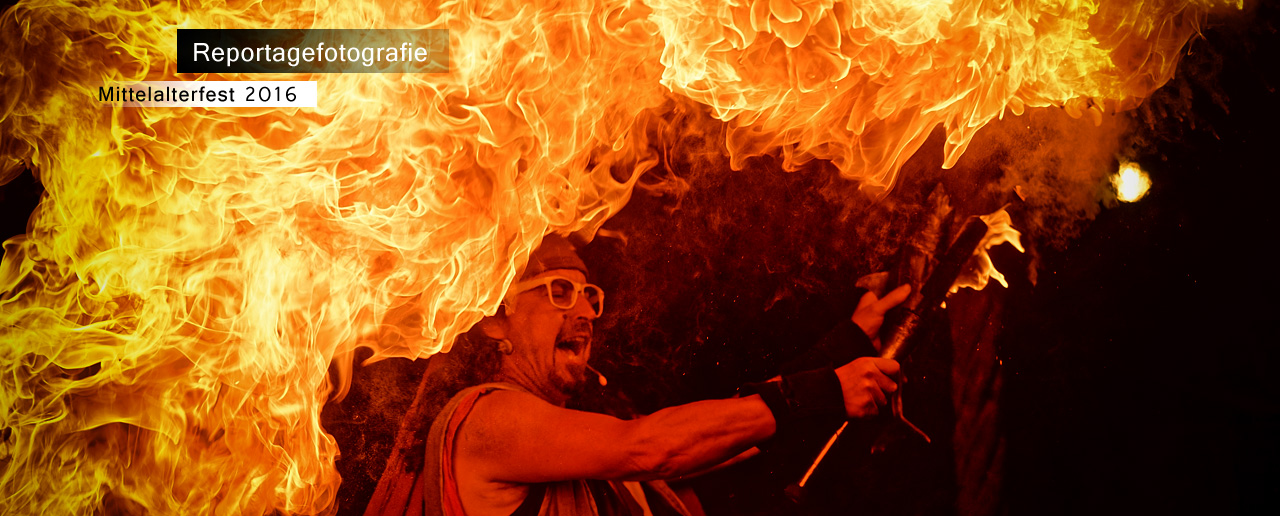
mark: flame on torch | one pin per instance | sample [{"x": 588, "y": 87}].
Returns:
[{"x": 980, "y": 270}]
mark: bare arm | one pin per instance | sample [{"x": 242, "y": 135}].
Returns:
[{"x": 516, "y": 437}]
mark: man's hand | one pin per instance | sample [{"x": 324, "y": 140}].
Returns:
[
  {"x": 870, "y": 312},
  {"x": 867, "y": 383}
]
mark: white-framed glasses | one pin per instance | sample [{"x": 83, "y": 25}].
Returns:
[{"x": 563, "y": 292}]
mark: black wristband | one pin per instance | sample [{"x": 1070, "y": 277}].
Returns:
[
  {"x": 771, "y": 394},
  {"x": 807, "y": 399}
]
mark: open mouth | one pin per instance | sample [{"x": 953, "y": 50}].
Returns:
[{"x": 575, "y": 344}]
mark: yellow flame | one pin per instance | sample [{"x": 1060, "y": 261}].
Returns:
[
  {"x": 979, "y": 270},
  {"x": 1131, "y": 183},
  {"x": 168, "y": 321},
  {"x": 863, "y": 83}
]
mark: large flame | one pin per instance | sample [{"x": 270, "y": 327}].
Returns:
[
  {"x": 863, "y": 83},
  {"x": 169, "y": 319}
]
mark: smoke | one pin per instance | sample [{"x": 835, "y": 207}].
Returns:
[{"x": 1058, "y": 164}]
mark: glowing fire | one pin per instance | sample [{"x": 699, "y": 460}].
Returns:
[
  {"x": 863, "y": 83},
  {"x": 1131, "y": 183},
  {"x": 980, "y": 270},
  {"x": 168, "y": 322}
]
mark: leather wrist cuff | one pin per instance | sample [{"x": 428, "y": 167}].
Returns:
[{"x": 802, "y": 400}]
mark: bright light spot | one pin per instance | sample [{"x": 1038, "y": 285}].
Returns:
[{"x": 1131, "y": 182}]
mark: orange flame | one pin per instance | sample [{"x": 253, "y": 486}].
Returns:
[
  {"x": 863, "y": 83},
  {"x": 980, "y": 270},
  {"x": 168, "y": 321}
]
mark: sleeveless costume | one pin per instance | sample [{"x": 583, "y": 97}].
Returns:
[{"x": 434, "y": 492}]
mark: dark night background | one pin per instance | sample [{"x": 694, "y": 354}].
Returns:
[{"x": 1136, "y": 373}]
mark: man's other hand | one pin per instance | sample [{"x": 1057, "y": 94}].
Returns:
[
  {"x": 867, "y": 383},
  {"x": 870, "y": 312}
]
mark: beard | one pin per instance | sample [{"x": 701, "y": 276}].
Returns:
[{"x": 574, "y": 342}]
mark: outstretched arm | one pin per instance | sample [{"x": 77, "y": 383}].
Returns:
[{"x": 511, "y": 436}]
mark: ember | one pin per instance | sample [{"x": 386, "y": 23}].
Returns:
[{"x": 1131, "y": 183}]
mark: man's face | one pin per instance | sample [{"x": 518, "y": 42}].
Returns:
[{"x": 550, "y": 345}]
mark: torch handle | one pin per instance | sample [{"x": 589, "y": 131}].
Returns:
[
  {"x": 897, "y": 344},
  {"x": 928, "y": 299}
]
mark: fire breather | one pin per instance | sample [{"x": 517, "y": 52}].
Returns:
[{"x": 367, "y": 56}]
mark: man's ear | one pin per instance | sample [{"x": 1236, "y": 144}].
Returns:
[{"x": 494, "y": 326}]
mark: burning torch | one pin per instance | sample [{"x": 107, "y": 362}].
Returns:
[{"x": 923, "y": 304}]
